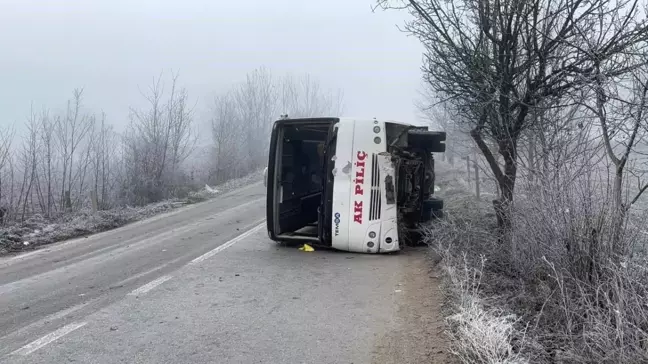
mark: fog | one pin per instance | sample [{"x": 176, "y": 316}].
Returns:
[
  {"x": 109, "y": 103},
  {"x": 114, "y": 48}
]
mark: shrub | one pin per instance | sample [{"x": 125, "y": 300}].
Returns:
[{"x": 557, "y": 295}]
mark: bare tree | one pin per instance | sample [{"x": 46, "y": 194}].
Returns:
[
  {"x": 439, "y": 115},
  {"x": 6, "y": 139},
  {"x": 147, "y": 140},
  {"x": 242, "y": 117},
  {"x": 29, "y": 159},
  {"x": 84, "y": 161},
  {"x": 11, "y": 171},
  {"x": 227, "y": 135},
  {"x": 256, "y": 104},
  {"x": 159, "y": 139},
  {"x": 102, "y": 151},
  {"x": 498, "y": 61},
  {"x": 47, "y": 139},
  {"x": 303, "y": 97},
  {"x": 621, "y": 105},
  {"x": 182, "y": 137},
  {"x": 71, "y": 131}
]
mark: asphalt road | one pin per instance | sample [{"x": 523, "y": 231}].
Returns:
[{"x": 205, "y": 285}]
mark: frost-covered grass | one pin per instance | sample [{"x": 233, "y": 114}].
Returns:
[
  {"x": 481, "y": 331},
  {"x": 480, "y": 334},
  {"x": 555, "y": 295},
  {"x": 37, "y": 231}
]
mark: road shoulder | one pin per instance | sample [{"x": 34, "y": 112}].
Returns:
[{"x": 418, "y": 334}]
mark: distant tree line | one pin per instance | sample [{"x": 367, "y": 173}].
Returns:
[
  {"x": 242, "y": 118},
  {"x": 75, "y": 159}
]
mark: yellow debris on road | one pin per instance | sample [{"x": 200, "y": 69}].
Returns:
[{"x": 307, "y": 248}]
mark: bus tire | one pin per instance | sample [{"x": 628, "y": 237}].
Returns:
[
  {"x": 431, "y": 209},
  {"x": 415, "y": 238},
  {"x": 432, "y": 141},
  {"x": 433, "y": 203}
]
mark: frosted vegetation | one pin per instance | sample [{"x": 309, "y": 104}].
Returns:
[{"x": 547, "y": 103}]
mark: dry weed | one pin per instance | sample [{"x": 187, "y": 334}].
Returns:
[{"x": 558, "y": 295}]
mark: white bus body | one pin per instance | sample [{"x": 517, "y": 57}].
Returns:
[{"x": 362, "y": 218}]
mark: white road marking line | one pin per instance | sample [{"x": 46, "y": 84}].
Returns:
[
  {"x": 149, "y": 286},
  {"x": 37, "y": 344},
  {"x": 136, "y": 245},
  {"x": 140, "y": 275},
  {"x": 226, "y": 245},
  {"x": 67, "y": 311},
  {"x": 53, "y": 317}
]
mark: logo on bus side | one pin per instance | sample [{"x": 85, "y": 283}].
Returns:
[
  {"x": 359, "y": 182},
  {"x": 337, "y": 223}
]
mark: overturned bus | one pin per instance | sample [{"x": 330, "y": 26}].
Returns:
[{"x": 353, "y": 185}]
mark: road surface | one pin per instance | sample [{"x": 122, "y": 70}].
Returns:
[{"x": 204, "y": 284}]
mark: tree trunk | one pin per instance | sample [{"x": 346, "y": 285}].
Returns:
[
  {"x": 64, "y": 181},
  {"x": 468, "y": 167},
  {"x": 506, "y": 184},
  {"x": 68, "y": 201},
  {"x": 532, "y": 160},
  {"x": 505, "y": 180},
  {"x": 477, "y": 191},
  {"x": 618, "y": 215},
  {"x": 93, "y": 200}
]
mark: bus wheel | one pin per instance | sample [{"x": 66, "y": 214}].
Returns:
[
  {"x": 432, "y": 208},
  {"x": 415, "y": 237},
  {"x": 432, "y": 141}
]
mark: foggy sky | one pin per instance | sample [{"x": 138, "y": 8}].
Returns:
[{"x": 112, "y": 47}]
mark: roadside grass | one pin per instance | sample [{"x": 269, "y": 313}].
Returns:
[
  {"x": 555, "y": 296},
  {"x": 480, "y": 330},
  {"x": 37, "y": 230}
]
